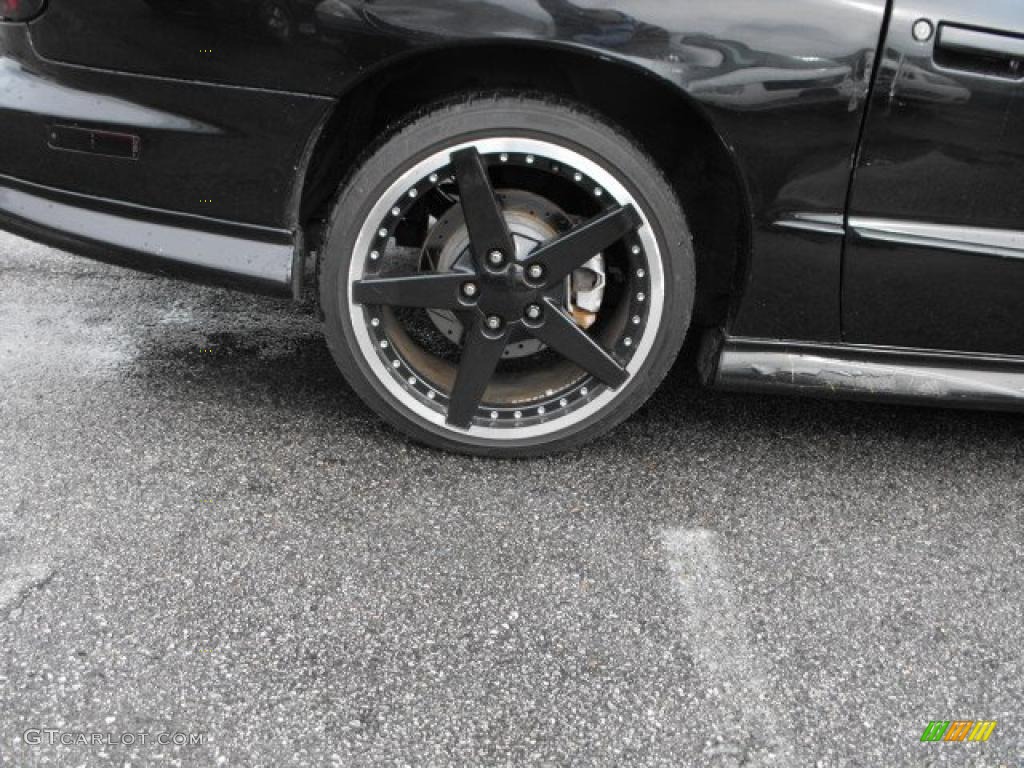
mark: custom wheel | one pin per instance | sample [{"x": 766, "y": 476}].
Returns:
[{"x": 506, "y": 276}]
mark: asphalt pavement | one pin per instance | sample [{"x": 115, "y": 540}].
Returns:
[{"x": 205, "y": 538}]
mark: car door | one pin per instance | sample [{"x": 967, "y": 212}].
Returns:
[{"x": 935, "y": 239}]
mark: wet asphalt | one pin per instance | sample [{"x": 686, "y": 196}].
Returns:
[{"x": 203, "y": 532}]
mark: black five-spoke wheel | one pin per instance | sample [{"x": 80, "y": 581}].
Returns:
[
  {"x": 506, "y": 293},
  {"x": 501, "y": 293}
]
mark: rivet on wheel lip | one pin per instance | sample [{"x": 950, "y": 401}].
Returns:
[
  {"x": 628, "y": 341},
  {"x": 504, "y": 157},
  {"x": 530, "y": 159},
  {"x": 396, "y": 211},
  {"x": 518, "y": 414},
  {"x": 383, "y": 343},
  {"x": 374, "y": 255},
  {"x": 383, "y": 232},
  {"x": 433, "y": 178},
  {"x": 412, "y": 381},
  {"x": 540, "y": 410},
  {"x": 636, "y": 250},
  {"x": 563, "y": 402},
  {"x": 375, "y": 321},
  {"x": 578, "y": 177},
  {"x": 584, "y": 392},
  {"x": 637, "y": 320},
  {"x": 413, "y": 193},
  {"x": 598, "y": 192},
  {"x": 494, "y": 415},
  {"x": 641, "y": 297},
  {"x": 396, "y": 363},
  {"x": 641, "y": 273},
  {"x": 431, "y": 394}
]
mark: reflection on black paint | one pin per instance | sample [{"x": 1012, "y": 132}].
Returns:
[
  {"x": 942, "y": 145},
  {"x": 783, "y": 85},
  {"x": 278, "y": 20}
]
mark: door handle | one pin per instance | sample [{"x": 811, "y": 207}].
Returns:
[
  {"x": 973, "y": 40},
  {"x": 991, "y": 53}
]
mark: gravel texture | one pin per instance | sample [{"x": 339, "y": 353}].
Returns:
[{"x": 202, "y": 531}]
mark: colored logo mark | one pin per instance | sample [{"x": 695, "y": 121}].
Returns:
[{"x": 958, "y": 730}]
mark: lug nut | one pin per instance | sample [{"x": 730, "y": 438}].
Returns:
[
  {"x": 535, "y": 272},
  {"x": 493, "y": 322},
  {"x": 495, "y": 258},
  {"x": 469, "y": 290},
  {"x": 533, "y": 312}
]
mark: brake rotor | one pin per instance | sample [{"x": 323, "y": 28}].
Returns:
[{"x": 532, "y": 220}]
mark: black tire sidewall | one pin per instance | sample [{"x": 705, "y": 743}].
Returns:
[{"x": 481, "y": 118}]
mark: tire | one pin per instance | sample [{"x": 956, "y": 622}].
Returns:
[{"x": 557, "y": 173}]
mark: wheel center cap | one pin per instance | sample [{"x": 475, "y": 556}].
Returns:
[{"x": 506, "y": 293}]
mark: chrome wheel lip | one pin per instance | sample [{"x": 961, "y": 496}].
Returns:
[{"x": 411, "y": 401}]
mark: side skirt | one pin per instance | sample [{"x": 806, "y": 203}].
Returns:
[
  {"x": 948, "y": 379},
  {"x": 239, "y": 256}
]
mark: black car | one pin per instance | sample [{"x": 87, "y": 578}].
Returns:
[{"x": 512, "y": 215}]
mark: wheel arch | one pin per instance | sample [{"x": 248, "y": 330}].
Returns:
[{"x": 668, "y": 124}]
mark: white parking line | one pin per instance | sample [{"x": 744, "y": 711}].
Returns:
[{"x": 750, "y": 726}]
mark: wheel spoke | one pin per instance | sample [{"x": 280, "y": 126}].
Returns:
[
  {"x": 575, "y": 248},
  {"x": 431, "y": 290},
  {"x": 560, "y": 333},
  {"x": 480, "y": 356},
  {"x": 488, "y": 230}
]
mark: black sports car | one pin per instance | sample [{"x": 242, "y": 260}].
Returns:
[{"x": 512, "y": 215}]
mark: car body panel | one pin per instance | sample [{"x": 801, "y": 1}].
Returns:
[
  {"x": 936, "y": 253},
  {"x": 226, "y": 153},
  {"x": 258, "y": 259},
  {"x": 785, "y": 89},
  {"x": 849, "y": 371}
]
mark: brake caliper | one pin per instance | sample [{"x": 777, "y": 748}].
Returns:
[{"x": 586, "y": 292}]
